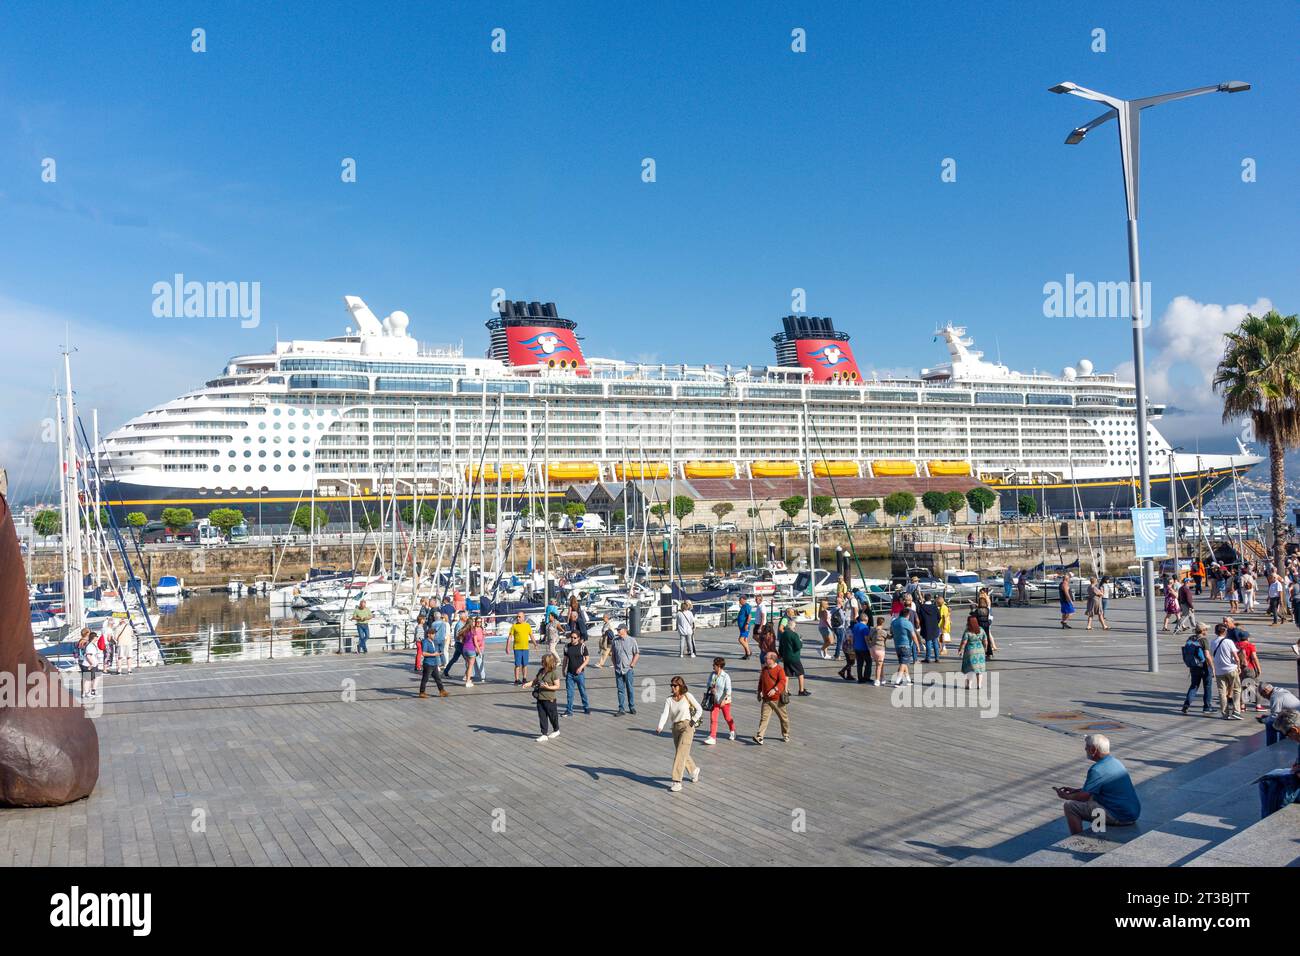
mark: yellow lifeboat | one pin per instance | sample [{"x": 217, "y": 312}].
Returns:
[
  {"x": 774, "y": 469},
  {"x": 635, "y": 469},
  {"x": 508, "y": 471},
  {"x": 835, "y": 469},
  {"x": 709, "y": 469},
  {"x": 573, "y": 471},
  {"x": 940, "y": 469},
  {"x": 891, "y": 468}
]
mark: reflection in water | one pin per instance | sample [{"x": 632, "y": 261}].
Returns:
[{"x": 210, "y": 627}]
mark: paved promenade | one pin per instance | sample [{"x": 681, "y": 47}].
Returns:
[{"x": 276, "y": 763}]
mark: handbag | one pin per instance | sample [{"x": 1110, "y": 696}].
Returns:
[{"x": 710, "y": 701}]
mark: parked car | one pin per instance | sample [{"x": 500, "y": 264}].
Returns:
[{"x": 725, "y": 526}]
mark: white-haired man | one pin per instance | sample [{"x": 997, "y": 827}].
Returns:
[
  {"x": 1279, "y": 699},
  {"x": 1281, "y": 787},
  {"x": 1108, "y": 789}
]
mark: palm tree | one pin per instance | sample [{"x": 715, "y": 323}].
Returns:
[{"x": 1259, "y": 378}]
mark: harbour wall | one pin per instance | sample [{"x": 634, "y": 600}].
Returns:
[{"x": 1018, "y": 544}]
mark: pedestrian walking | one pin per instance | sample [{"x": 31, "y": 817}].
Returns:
[
  {"x": 458, "y": 631},
  {"x": 861, "y": 644},
  {"x": 1094, "y": 606},
  {"x": 1275, "y": 599},
  {"x": 773, "y": 697},
  {"x": 1186, "y": 605},
  {"x": 841, "y": 614},
  {"x": 765, "y": 637},
  {"x": 1249, "y": 669},
  {"x": 361, "y": 616},
  {"x": 1196, "y": 658},
  {"x": 1171, "y": 605},
  {"x": 1248, "y": 592},
  {"x": 606, "y": 638},
  {"x": 1066, "y": 599},
  {"x": 971, "y": 651},
  {"x": 423, "y": 624},
  {"x": 945, "y": 622},
  {"x": 907, "y": 645},
  {"x": 575, "y": 666},
  {"x": 928, "y": 614},
  {"x": 625, "y": 654},
  {"x": 685, "y": 630},
  {"x": 744, "y": 620},
  {"x": 824, "y": 627},
  {"x": 790, "y": 647},
  {"x": 91, "y": 663},
  {"x": 430, "y": 662},
  {"x": 1225, "y": 659},
  {"x": 472, "y": 647},
  {"x": 683, "y": 711},
  {"x": 983, "y": 611},
  {"x": 520, "y": 640},
  {"x": 878, "y": 640},
  {"x": 544, "y": 687},
  {"x": 717, "y": 700}
]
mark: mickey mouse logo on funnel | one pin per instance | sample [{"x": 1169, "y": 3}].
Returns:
[
  {"x": 828, "y": 360},
  {"x": 552, "y": 348}
]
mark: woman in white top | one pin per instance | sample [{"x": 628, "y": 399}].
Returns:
[
  {"x": 92, "y": 664},
  {"x": 686, "y": 630},
  {"x": 684, "y": 712},
  {"x": 720, "y": 686}
]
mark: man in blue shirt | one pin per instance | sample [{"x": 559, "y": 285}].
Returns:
[
  {"x": 1107, "y": 791},
  {"x": 862, "y": 646},
  {"x": 906, "y": 646}
]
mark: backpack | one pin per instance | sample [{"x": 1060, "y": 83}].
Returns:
[
  {"x": 837, "y": 618},
  {"x": 1193, "y": 654}
]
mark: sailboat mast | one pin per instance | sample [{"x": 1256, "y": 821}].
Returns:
[
  {"x": 63, "y": 491},
  {"x": 99, "y": 531},
  {"x": 74, "y": 598}
]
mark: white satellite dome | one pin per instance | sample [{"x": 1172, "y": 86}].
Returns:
[
  {"x": 397, "y": 322},
  {"x": 1085, "y": 367},
  {"x": 1068, "y": 373}
]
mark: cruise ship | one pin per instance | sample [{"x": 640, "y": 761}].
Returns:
[{"x": 373, "y": 414}]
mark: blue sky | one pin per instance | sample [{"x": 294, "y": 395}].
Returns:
[{"x": 522, "y": 170}]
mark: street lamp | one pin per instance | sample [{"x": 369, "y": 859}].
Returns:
[{"x": 1126, "y": 112}]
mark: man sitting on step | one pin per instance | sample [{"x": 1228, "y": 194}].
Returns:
[
  {"x": 1107, "y": 797},
  {"x": 1279, "y": 788}
]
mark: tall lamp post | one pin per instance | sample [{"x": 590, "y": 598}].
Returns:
[{"x": 1127, "y": 113}]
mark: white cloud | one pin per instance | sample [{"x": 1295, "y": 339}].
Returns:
[{"x": 1183, "y": 349}]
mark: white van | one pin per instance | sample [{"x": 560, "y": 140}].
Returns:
[{"x": 590, "y": 524}]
